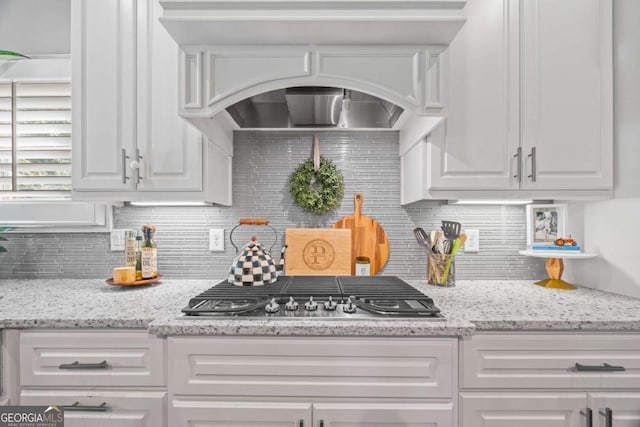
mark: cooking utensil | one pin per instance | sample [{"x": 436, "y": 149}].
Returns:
[
  {"x": 423, "y": 238},
  {"x": 438, "y": 243},
  {"x": 318, "y": 252},
  {"x": 368, "y": 238},
  {"x": 458, "y": 242},
  {"x": 451, "y": 231}
]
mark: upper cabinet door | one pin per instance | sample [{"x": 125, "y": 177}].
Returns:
[
  {"x": 103, "y": 47},
  {"x": 171, "y": 148},
  {"x": 482, "y": 128},
  {"x": 567, "y": 94}
]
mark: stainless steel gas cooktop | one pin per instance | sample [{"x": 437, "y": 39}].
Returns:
[{"x": 325, "y": 297}]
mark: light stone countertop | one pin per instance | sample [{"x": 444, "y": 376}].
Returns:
[{"x": 471, "y": 305}]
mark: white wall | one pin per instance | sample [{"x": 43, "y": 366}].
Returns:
[
  {"x": 612, "y": 228},
  {"x": 35, "y": 27}
]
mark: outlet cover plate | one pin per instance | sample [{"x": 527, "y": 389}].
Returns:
[
  {"x": 216, "y": 239},
  {"x": 116, "y": 238},
  {"x": 472, "y": 244}
]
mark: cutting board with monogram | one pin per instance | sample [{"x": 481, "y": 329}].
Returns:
[
  {"x": 318, "y": 252},
  {"x": 368, "y": 238}
]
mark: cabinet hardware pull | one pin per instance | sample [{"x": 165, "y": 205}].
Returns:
[
  {"x": 588, "y": 415},
  {"x": 138, "y": 158},
  {"x": 608, "y": 417},
  {"x": 321, "y": 423},
  {"x": 533, "y": 164},
  {"x": 87, "y": 408},
  {"x": 518, "y": 157},
  {"x": 78, "y": 365},
  {"x": 604, "y": 368},
  {"x": 301, "y": 423},
  {"x": 124, "y": 166}
]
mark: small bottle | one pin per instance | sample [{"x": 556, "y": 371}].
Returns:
[
  {"x": 149, "y": 253},
  {"x": 130, "y": 248},
  {"x": 138, "y": 256}
]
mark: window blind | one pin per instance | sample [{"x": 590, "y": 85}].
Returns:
[{"x": 35, "y": 140}]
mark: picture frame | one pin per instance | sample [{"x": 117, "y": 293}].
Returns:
[{"x": 545, "y": 223}]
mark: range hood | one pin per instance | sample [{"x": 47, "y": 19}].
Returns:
[
  {"x": 372, "y": 22},
  {"x": 311, "y": 106}
]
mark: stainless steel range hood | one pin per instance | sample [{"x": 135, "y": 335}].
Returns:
[{"x": 310, "y": 106}]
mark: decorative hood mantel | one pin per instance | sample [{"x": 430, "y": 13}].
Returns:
[
  {"x": 341, "y": 22},
  {"x": 237, "y": 56}
]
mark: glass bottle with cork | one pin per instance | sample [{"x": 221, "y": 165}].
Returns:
[
  {"x": 139, "y": 256},
  {"x": 149, "y": 252}
]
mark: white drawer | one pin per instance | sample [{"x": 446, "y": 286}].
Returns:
[
  {"x": 70, "y": 358},
  {"x": 104, "y": 408},
  {"x": 312, "y": 366},
  {"x": 549, "y": 360}
]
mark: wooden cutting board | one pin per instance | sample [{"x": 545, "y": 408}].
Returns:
[
  {"x": 368, "y": 238},
  {"x": 318, "y": 252}
]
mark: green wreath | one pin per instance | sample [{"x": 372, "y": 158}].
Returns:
[{"x": 329, "y": 189}]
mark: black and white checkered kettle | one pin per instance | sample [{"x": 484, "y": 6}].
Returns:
[{"x": 254, "y": 266}]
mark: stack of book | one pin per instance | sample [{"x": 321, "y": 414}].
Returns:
[{"x": 550, "y": 246}]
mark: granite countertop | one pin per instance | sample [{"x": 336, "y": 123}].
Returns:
[{"x": 470, "y": 306}]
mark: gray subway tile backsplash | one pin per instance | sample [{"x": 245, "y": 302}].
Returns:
[{"x": 262, "y": 164}]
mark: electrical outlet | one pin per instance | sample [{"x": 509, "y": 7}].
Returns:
[
  {"x": 216, "y": 239},
  {"x": 117, "y": 239},
  {"x": 473, "y": 240}
]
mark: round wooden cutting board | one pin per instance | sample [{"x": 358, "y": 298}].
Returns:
[{"x": 368, "y": 238}]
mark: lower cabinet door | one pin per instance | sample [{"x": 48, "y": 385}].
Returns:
[
  {"x": 383, "y": 414},
  {"x": 511, "y": 409},
  {"x": 103, "y": 408},
  {"x": 191, "y": 413},
  {"x": 615, "y": 409}
]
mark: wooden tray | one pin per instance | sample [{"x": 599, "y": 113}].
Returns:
[{"x": 109, "y": 281}]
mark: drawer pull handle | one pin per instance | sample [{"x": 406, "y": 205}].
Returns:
[
  {"x": 88, "y": 408},
  {"x": 321, "y": 423},
  {"x": 608, "y": 417},
  {"x": 604, "y": 368},
  {"x": 78, "y": 365},
  {"x": 588, "y": 416},
  {"x": 301, "y": 423}
]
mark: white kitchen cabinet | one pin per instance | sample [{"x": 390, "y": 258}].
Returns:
[
  {"x": 522, "y": 409},
  {"x": 354, "y": 414},
  {"x": 550, "y": 379},
  {"x": 104, "y": 377},
  {"x": 104, "y": 82},
  {"x": 190, "y": 412},
  {"x": 567, "y": 94},
  {"x": 129, "y": 142},
  {"x": 529, "y": 107},
  {"x": 103, "y": 408},
  {"x": 96, "y": 358},
  {"x": 402, "y": 382},
  {"x": 621, "y": 409}
]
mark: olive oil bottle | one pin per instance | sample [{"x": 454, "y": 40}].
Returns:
[
  {"x": 139, "y": 256},
  {"x": 149, "y": 253}
]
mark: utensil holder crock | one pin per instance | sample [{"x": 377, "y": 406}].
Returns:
[{"x": 441, "y": 269}]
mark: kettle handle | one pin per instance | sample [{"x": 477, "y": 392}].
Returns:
[{"x": 253, "y": 221}]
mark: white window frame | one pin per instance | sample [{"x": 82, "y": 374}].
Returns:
[{"x": 50, "y": 216}]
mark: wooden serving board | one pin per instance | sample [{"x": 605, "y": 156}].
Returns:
[
  {"x": 318, "y": 252},
  {"x": 368, "y": 238}
]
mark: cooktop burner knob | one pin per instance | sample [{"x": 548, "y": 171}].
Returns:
[
  {"x": 349, "y": 306},
  {"x": 292, "y": 305},
  {"x": 311, "y": 305},
  {"x": 330, "y": 305},
  {"x": 272, "y": 307}
]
